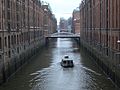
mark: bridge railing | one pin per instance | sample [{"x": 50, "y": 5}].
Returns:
[{"x": 71, "y": 35}]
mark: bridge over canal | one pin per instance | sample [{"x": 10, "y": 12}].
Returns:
[{"x": 63, "y": 35}]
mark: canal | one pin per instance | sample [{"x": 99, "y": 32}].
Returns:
[{"x": 44, "y": 72}]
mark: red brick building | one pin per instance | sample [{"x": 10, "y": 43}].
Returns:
[
  {"x": 100, "y": 32},
  {"x": 76, "y": 21},
  {"x": 22, "y": 27}
]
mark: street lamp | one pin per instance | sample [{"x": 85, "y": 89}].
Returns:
[
  {"x": 74, "y": 22},
  {"x": 45, "y": 10},
  {"x": 74, "y": 19},
  {"x": 118, "y": 41}
]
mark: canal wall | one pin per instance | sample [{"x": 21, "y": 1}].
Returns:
[
  {"x": 8, "y": 67},
  {"x": 77, "y": 40},
  {"x": 107, "y": 64}
]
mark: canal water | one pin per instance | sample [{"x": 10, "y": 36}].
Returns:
[{"x": 44, "y": 71}]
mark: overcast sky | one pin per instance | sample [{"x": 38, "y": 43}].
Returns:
[{"x": 63, "y": 8}]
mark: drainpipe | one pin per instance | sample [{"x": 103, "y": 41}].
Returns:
[
  {"x": 2, "y": 40},
  {"x": 107, "y": 52},
  {"x": 34, "y": 24}
]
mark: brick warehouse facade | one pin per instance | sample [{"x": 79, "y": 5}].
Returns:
[
  {"x": 22, "y": 32},
  {"x": 100, "y": 33},
  {"x": 76, "y": 21}
]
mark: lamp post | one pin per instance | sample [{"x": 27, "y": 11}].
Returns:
[{"x": 74, "y": 25}]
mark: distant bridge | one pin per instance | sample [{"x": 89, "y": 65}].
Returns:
[{"x": 63, "y": 35}]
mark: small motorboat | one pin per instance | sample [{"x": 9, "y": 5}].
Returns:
[{"x": 66, "y": 62}]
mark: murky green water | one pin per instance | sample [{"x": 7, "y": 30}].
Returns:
[{"x": 45, "y": 73}]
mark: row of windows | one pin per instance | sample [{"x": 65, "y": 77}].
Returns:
[
  {"x": 17, "y": 39},
  {"x": 18, "y": 15},
  {"x": 101, "y": 17}
]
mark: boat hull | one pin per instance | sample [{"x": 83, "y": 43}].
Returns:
[{"x": 67, "y": 65}]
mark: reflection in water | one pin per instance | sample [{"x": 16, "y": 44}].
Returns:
[
  {"x": 46, "y": 73},
  {"x": 56, "y": 77}
]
